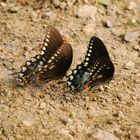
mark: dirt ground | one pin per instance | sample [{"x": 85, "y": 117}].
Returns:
[{"x": 50, "y": 111}]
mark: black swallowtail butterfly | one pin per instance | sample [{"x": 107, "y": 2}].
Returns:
[
  {"x": 95, "y": 69},
  {"x": 52, "y": 63}
]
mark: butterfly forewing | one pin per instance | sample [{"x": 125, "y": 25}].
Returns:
[
  {"x": 103, "y": 72},
  {"x": 52, "y": 42},
  {"x": 96, "y": 67}
]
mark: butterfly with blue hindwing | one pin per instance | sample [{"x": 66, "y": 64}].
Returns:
[{"x": 95, "y": 69}]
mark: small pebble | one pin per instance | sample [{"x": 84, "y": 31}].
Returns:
[
  {"x": 137, "y": 48},
  {"x": 49, "y": 15},
  {"x": 86, "y": 11},
  {"x": 131, "y": 36},
  {"x": 56, "y": 3},
  {"x": 101, "y": 88},
  {"x": 105, "y": 135},
  {"x": 70, "y": 3},
  {"x": 3, "y": 4},
  {"x": 133, "y": 22},
  {"x": 13, "y": 9},
  {"x": 109, "y": 24},
  {"x": 63, "y": 5},
  {"x": 42, "y": 105},
  {"x": 28, "y": 122},
  {"x": 72, "y": 115},
  {"x": 129, "y": 65},
  {"x": 131, "y": 5}
]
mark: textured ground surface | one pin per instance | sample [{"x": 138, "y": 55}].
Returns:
[{"x": 112, "y": 111}]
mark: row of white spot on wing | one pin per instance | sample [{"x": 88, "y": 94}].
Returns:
[
  {"x": 71, "y": 77},
  {"x": 69, "y": 84},
  {"x": 74, "y": 72},
  {"x": 45, "y": 45},
  {"x": 86, "y": 61},
  {"x": 55, "y": 56},
  {"x": 24, "y": 68}
]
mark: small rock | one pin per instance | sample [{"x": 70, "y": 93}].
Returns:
[
  {"x": 45, "y": 5},
  {"x": 129, "y": 65},
  {"x": 43, "y": 105},
  {"x": 64, "y": 121},
  {"x": 72, "y": 115},
  {"x": 104, "y": 135},
  {"x": 3, "y": 4},
  {"x": 137, "y": 48},
  {"x": 63, "y": 5},
  {"x": 131, "y": 36},
  {"x": 48, "y": 15},
  {"x": 86, "y": 11},
  {"x": 89, "y": 29},
  {"x": 101, "y": 88},
  {"x": 131, "y": 5},
  {"x": 133, "y": 22},
  {"x": 109, "y": 24},
  {"x": 70, "y": 3},
  {"x": 13, "y": 9},
  {"x": 56, "y": 3},
  {"x": 28, "y": 122}
]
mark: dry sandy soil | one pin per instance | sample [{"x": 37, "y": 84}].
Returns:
[{"x": 51, "y": 111}]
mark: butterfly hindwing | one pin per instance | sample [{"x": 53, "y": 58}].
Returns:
[
  {"x": 96, "y": 67},
  {"x": 25, "y": 75},
  {"x": 57, "y": 65},
  {"x": 78, "y": 77}
]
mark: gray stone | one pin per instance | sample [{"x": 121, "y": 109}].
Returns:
[
  {"x": 86, "y": 11},
  {"x": 131, "y": 36},
  {"x": 109, "y": 24},
  {"x": 63, "y": 5},
  {"x": 129, "y": 65},
  {"x": 105, "y": 135},
  {"x": 13, "y": 9},
  {"x": 56, "y": 3},
  {"x": 131, "y": 5}
]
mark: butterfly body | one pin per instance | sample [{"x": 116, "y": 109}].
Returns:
[{"x": 95, "y": 69}]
